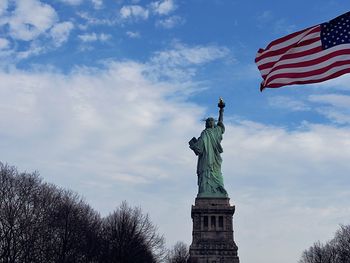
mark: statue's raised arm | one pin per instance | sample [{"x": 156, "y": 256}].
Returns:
[
  {"x": 208, "y": 149},
  {"x": 221, "y": 106}
]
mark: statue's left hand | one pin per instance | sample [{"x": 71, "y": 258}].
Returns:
[{"x": 192, "y": 141}]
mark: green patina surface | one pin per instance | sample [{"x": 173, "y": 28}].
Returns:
[{"x": 208, "y": 149}]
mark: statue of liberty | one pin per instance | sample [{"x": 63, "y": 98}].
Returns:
[{"x": 208, "y": 149}]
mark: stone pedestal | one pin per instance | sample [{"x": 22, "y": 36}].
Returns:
[{"x": 212, "y": 236}]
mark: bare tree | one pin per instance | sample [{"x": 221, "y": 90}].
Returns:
[
  {"x": 319, "y": 253},
  {"x": 179, "y": 253},
  {"x": 342, "y": 243},
  {"x": 336, "y": 250},
  {"x": 41, "y": 223},
  {"x": 18, "y": 214},
  {"x": 73, "y": 229},
  {"x": 130, "y": 237}
]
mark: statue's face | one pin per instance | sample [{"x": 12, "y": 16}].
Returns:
[{"x": 210, "y": 123}]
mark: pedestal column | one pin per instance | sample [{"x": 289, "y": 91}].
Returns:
[{"x": 212, "y": 235}]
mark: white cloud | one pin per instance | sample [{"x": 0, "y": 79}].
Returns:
[
  {"x": 339, "y": 83},
  {"x": 91, "y": 20},
  {"x": 132, "y": 34},
  {"x": 137, "y": 12},
  {"x": 279, "y": 25},
  {"x": 335, "y": 115},
  {"x": 72, "y": 2},
  {"x": 334, "y": 106},
  {"x": 187, "y": 55},
  {"x": 180, "y": 61},
  {"x": 264, "y": 17},
  {"x": 134, "y": 12},
  {"x": 283, "y": 157},
  {"x": 4, "y": 43},
  {"x": 35, "y": 48},
  {"x": 81, "y": 110},
  {"x": 60, "y": 32},
  {"x": 92, "y": 37},
  {"x": 104, "y": 37},
  {"x": 88, "y": 37},
  {"x": 163, "y": 7},
  {"x": 4, "y": 55},
  {"x": 36, "y": 23},
  {"x": 97, "y": 3},
  {"x": 295, "y": 183},
  {"x": 30, "y": 19},
  {"x": 3, "y": 6},
  {"x": 336, "y": 100},
  {"x": 170, "y": 22},
  {"x": 288, "y": 103},
  {"x": 283, "y": 26}
]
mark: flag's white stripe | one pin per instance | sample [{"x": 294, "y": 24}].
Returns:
[
  {"x": 309, "y": 68},
  {"x": 310, "y": 36},
  {"x": 306, "y": 58},
  {"x": 288, "y": 42},
  {"x": 314, "y": 77},
  {"x": 291, "y": 51}
]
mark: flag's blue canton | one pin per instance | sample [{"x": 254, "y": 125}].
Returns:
[{"x": 336, "y": 31}]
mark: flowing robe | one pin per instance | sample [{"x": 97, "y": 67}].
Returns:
[{"x": 208, "y": 149}]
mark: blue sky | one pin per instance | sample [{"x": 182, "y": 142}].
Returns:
[{"x": 102, "y": 96}]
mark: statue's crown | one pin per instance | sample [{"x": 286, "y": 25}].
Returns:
[{"x": 205, "y": 119}]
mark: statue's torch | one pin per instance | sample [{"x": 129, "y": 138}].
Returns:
[{"x": 221, "y": 103}]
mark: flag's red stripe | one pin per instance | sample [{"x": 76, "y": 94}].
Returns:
[
  {"x": 294, "y": 52},
  {"x": 332, "y": 76},
  {"x": 291, "y": 56},
  {"x": 299, "y": 75},
  {"x": 286, "y": 38},
  {"x": 310, "y": 62},
  {"x": 285, "y": 49},
  {"x": 302, "y": 53},
  {"x": 268, "y": 53}
]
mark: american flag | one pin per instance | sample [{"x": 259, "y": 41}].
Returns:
[{"x": 311, "y": 55}]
